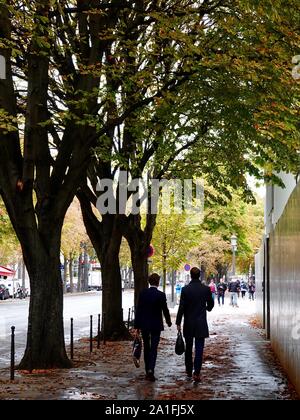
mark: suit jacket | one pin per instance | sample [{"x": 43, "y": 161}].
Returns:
[
  {"x": 152, "y": 305},
  {"x": 195, "y": 300}
]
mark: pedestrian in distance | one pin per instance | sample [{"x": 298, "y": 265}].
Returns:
[
  {"x": 196, "y": 299},
  {"x": 213, "y": 288},
  {"x": 221, "y": 290},
  {"x": 244, "y": 289},
  {"x": 152, "y": 305},
  {"x": 233, "y": 288},
  {"x": 238, "y": 288},
  {"x": 251, "y": 290}
]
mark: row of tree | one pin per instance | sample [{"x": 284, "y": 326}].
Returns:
[{"x": 169, "y": 88}]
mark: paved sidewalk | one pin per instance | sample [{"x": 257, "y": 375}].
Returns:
[{"x": 239, "y": 365}]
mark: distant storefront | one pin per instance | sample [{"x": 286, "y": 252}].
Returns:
[{"x": 6, "y": 273}]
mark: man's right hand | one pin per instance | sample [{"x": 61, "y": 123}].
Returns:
[{"x": 178, "y": 328}]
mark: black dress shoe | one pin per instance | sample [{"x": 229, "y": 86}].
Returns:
[
  {"x": 197, "y": 378},
  {"x": 150, "y": 376},
  {"x": 189, "y": 376}
]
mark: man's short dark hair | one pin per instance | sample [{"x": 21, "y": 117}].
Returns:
[
  {"x": 195, "y": 273},
  {"x": 154, "y": 279}
]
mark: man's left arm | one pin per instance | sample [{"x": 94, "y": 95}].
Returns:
[
  {"x": 209, "y": 302},
  {"x": 138, "y": 314},
  {"x": 166, "y": 311}
]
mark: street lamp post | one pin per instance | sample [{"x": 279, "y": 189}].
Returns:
[
  {"x": 173, "y": 285},
  {"x": 234, "y": 249},
  {"x": 164, "y": 272}
]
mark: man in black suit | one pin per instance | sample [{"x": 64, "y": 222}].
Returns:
[
  {"x": 152, "y": 305},
  {"x": 195, "y": 300}
]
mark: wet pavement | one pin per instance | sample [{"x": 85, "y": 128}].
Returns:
[{"x": 238, "y": 365}]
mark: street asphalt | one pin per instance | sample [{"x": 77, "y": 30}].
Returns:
[{"x": 78, "y": 306}]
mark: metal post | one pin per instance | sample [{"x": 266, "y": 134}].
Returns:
[
  {"x": 12, "y": 355},
  {"x": 91, "y": 334},
  {"x": 173, "y": 286},
  {"x": 164, "y": 272},
  {"x": 99, "y": 332},
  {"x": 233, "y": 261},
  {"x": 103, "y": 327},
  {"x": 129, "y": 314},
  {"x": 72, "y": 339}
]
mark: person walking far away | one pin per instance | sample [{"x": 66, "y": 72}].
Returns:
[
  {"x": 221, "y": 288},
  {"x": 213, "y": 288},
  {"x": 152, "y": 305},
  {"x": 234, "y": 287},
  {"x": 195, "y": 300},
  {"x": 251, "y": 290},
  {"x": 244, "y": 289}
]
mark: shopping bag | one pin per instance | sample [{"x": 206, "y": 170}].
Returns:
[
  {"x": 137, "y": 351},
  {"x": 180, "y": 346}
]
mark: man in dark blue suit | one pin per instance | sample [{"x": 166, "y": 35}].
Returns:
[
  {"x": 152, "y": 305},
  {"x": 195, "y": 300}
]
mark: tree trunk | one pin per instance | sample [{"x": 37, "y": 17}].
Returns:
[
  {"x": 65, "y": 274},
  {"x": 130, "y": 277},
  {"x": 140, "y": 268},
  {"x": 71, "y": 274},
  {"x": 85, "y": 272},
  {"x": 106, "y": 238},
  {"x": 23, "y": 275},
  {"x": 115, "y": 328},
  {"x": 80, "y": 274},
  {"x": 139, "y": 242},
  {"x": 45, "y": 338}
]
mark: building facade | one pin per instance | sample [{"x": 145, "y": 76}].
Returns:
[{"x": 278, "y": 274}]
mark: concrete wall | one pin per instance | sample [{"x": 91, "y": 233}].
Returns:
[
  {"x": 285, "y": 287},
  {"x": 259, "y": 282}
]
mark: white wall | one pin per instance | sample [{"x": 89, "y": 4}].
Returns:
[{"x": 276, "y": 200}]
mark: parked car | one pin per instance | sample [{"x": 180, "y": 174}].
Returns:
[
  {"x": 95, "y": 288},
  {"x": 12, "y": 287},
  {"x": 4, "y": 293}
]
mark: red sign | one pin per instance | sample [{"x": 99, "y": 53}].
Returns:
[{"x": 150, "y": 252}]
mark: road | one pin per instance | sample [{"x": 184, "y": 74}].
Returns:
[{"x": 77, "y": 306}]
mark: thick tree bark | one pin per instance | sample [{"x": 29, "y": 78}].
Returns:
[
  {"x": 45, "y": 339},
  {"x": 140, "y": 267},
  {"x": 106, "y": 238},
  {"x": 114, "y": 327},
  {"x": 139, "y": 241}
]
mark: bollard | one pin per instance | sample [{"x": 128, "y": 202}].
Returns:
[
  {"x": 99, "y": 331},
  {"x": 103, "y": 327},
  {"x": 91, "y": 334},
  {"x": 129, "y": 314},
  {"x": 12, "y": 355},
  {"x": 72, "y": 339}
]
